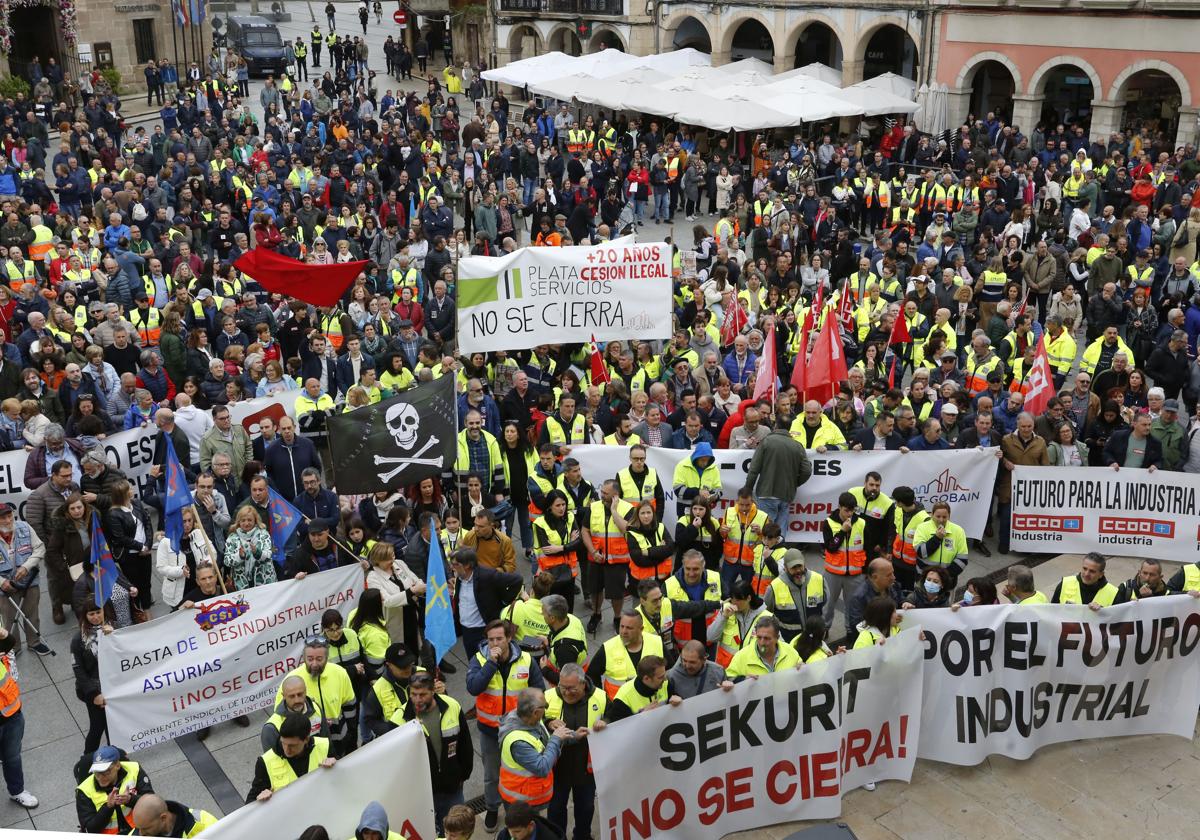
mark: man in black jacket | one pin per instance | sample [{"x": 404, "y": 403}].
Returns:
[
  {"x": 480, "y": 594},
  {"x": 451, "y": 754},
  {"x": 882, "y": 435},
  {"x": 1168, "y": 366},
  {"x": 318, "y": 553}
]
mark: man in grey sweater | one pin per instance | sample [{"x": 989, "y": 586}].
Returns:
[
  {"x": 694, "y": 673},
  {"x": 779, "y": 466}
]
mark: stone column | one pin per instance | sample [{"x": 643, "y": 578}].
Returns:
[
  {"x": 958, "y": 104},
  {"x": 785, "y": 62},
  {"x": 852, "y": 72},
  {"x": 1188, "y": 129},
  {"x": 1026, "y": 111},
  {"x": 1106, "y": 118},
  {"x": 719, "y": 58}
]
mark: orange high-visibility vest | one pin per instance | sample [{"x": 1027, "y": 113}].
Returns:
[{"x": 852, "y": 556}]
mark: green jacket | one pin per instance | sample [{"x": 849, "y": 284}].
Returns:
[
  {"x": 780, "y": 465},
  {"x": 1174, "y": 443}
]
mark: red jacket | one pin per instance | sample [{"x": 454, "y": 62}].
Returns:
[{"x": 1143, "y": 193}]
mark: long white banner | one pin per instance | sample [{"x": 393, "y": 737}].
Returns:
[
  {"x": 226, "y": 657},
  {"x": 392, "y": 770},
  {"x": 1009, "y": 680},
  {"x": 774, "y": 749},
  {"x": 131, "y": 452},
  {"x": 535, "y": 296},
  {"x": 963, "y": 478},
  {"x": 1130, "y": 511}
]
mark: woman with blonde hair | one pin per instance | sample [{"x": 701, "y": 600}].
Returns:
[
  {"x": 400, "y": 588},
  {"x": 249, "y": 555}
]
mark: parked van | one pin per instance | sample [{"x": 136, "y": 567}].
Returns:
[{"x": 258, "y": 42}]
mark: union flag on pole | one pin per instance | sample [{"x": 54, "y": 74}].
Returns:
[
  {"x": 599, "y": 369},
  {"x": 1040, "y": 381}
]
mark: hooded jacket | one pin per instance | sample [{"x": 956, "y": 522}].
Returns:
[{"x": 375, "y": 818}]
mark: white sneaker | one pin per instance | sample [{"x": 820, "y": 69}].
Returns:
[
  {"x": 869, "y": 786},
  {"x": 25, "y": 799}
]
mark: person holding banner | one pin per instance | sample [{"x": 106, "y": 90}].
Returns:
[
  {"x": 297, "y": 752},
  {"x": 940, "y": 543},
  {"x": 295, "y": 699},
  {"x": 451, "y": 752},
  {"x": 578, "y": 704},
  {"x": 1020, "y": 588},
  {"x": 880, "y": 621},
  {"x": 768, "y": 654},
  {"x": 1089, "y": 587},
  {"x": 330, "y": 686}
]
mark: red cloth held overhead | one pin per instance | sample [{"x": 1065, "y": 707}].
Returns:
[{"x": 320, "y": 285}]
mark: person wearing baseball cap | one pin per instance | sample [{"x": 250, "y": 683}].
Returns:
[
  {"x": 795, "y": 595},
  {"x": 21, "y": 556},
  {"x": 104, "y": 800},
  {"x": 388, "y": 694}
]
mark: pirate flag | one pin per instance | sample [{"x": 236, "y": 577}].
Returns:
[{"x": 396, "y": 442}]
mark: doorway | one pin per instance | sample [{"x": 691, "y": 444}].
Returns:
[{"x": 38, "y": 28}]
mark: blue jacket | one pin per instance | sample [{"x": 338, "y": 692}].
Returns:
[
  {"x": 8, "y": 180},
  {"x": 345, "y": 370},
  {"x": 917, "y": 443},
  {"x": 489, "y": 410},
  {"x": 679, "y": 439},
  {"x": 113, "y": 234},
  {"x": 284, "y": 464},
  {"x": 323, "y": 506}
]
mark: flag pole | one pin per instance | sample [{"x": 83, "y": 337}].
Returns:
[{"x": 211, "y": 550}]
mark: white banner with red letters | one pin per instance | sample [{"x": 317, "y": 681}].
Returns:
[
  {"x": 1133, "y": 512},
  {"x": 963, "y": 478},
  {"x": 1008, "y": 680},
  {"x": 198, "y": 667},
  {"x": 773, "y": 749},
  {"x": 618, "y": 289}
]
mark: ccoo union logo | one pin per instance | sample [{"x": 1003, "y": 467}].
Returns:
[
  {"x": 1127, "y": 530},
  {"x": 945, "y": 488},
  {"x": 1044, "y": 522}
]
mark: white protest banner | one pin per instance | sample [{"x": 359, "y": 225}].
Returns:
[
  {"x": 1081, "y": 509},
  {"x": 538, "y": 296},
  {"x": 131, "y": 452},
  {"x": 1008, "y": 680},
  {"x": 392, "y": 770},
  {"x": 781, "y": 747},
  {"x": 248, "y": 412},
  {"x": 962, "y": 478},
  {"x": 226, "y": 657}
]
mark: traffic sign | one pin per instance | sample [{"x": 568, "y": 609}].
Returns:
[{"x": 400, "y": 16}]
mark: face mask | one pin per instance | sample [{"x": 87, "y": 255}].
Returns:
[
  {"x": 968, "y": 597},
  {"x": 933, "y": 587}
]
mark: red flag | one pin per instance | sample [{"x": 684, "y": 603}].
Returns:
[
  {"x": 846, "y": 308},
  {"x": 892, "y": 373},
  {"x": 764, "y": 385},
  {"x": 1040, "y": 381},
  {"x": 799, "y": 368},
  {"x": 735, "y": 322},
  {"x": 320, "y": 285},
  {"x": 900, "y": 333},
  {"x": 828, "y": 366},
  {"x": 599, "y": 369}
]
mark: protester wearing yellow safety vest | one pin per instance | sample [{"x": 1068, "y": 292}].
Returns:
[
  {"x": 566, "y": 640},
  {"x": 158, "y": 817},
  {"x": 529, "y": 751},
  {"x": 296, "y": 753},
  {"x": 1060, "y": 348},
  {"x": 657, "y": 616},
  {"x": 647, "y": 691},
  {"x": 736, "y": 623},
  {"x": 389, "y": 693},
  {"x": 447, "y": 738},
  {"x": 1020, "y": 589},
  {"x": 795, "y": 595},
  {"x": 694, "y": 593},
  {"x": 940, "y": 542},
  {"x": 907, "y": 516},
  {"x": 527, "y": 618},
  {"x": 330, "y": 686},
  {"x": 742, "y": 532},
  {"x": 614, "y": 663},
  {"x": 815, "y": 430},
  {"x": 1098, "y": 356},
  {"x": 696, "y": 476},
  {"x": 104, "y": 801},
  {"x": 639, "y": 482},
  {"x": 881, "y": 619},
  {"x": 767, "y": 655},
  {"x": 566, "y": 427},
  {"x": 1089, "y": 587}
]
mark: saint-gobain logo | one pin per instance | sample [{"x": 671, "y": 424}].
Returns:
[
  {"x": 220, "y": 612},
  {"x": 944, "y": 483},
  {"x": 1042, "y": 522},
  {"x": 1142, "y": 527}
]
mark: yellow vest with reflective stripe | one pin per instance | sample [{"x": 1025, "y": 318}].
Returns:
[
  {"x": 280, "y": 771},
  {"x": 618, "y": 665},
  {"x": 1069, "y": 593},
  {"x": 635, "y": 700},
  {"x": 99, "y": 798}
]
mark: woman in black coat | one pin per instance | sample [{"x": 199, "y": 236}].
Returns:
[
  {"x": 69, "y": 544},
  {"x": 700, "y": 531},
  {"x": 85, "y": 664},
  {"x": 130, "y": 535}
]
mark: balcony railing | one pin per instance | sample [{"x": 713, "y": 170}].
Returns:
[{"x": 583, "y": 8}]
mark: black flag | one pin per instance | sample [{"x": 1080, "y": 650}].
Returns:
[{"x": 397, "y": 442}]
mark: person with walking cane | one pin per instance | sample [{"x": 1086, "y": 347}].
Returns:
[{"x": 21, "y": 554}]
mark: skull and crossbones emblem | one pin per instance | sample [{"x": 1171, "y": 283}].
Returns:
[{"x": 403, "y": 424}]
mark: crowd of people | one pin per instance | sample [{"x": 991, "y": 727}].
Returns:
[{"x": 121, "y": 309}]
